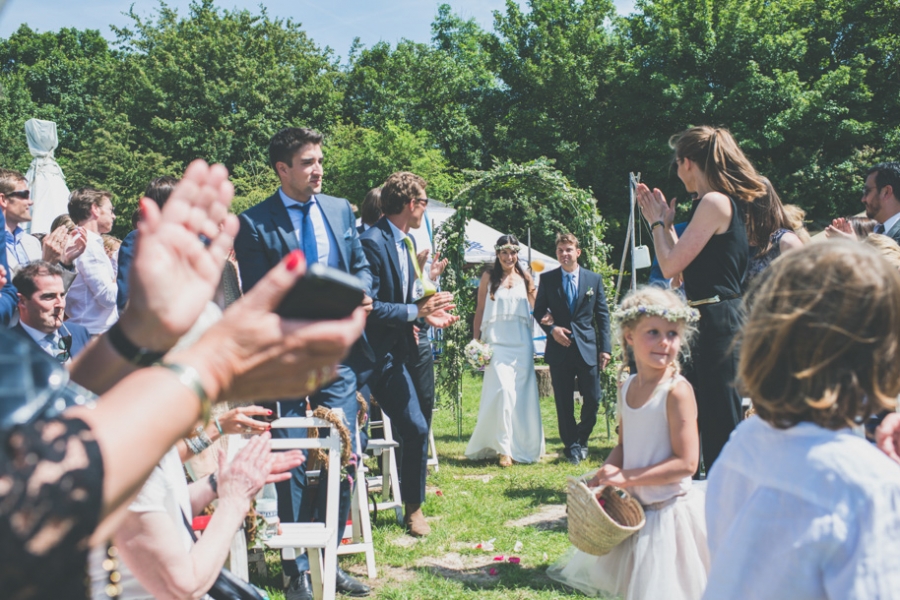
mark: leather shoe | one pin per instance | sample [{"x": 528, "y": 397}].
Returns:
[
  {"x": 349, "y": 586},
  {"x": 584, "y": 453},
  {"x": 299, "y": 588},
  {"x": 415, "y": 522},
  {"x": 575, "y": 458}
]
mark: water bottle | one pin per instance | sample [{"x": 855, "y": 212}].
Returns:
[{"x": 267, "y": 507}]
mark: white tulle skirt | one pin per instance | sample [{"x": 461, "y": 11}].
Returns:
[{"x": 666, "y": 560}]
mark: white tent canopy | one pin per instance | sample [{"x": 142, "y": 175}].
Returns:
[
  {"x": 45, "y": 178},
  {"x": 480, "y": 238}
]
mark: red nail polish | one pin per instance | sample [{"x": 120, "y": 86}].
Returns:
[
  {"x": 270, "y": 412},
  {"x": 143, "y": 209},
  {"x": 293, "y": 259}
]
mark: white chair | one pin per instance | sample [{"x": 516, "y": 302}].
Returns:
[
  {"x": 360, "y": 533},
  {"x": 319, "y": 539},
  {"x": 432, "y": 451},
  {"x": 384, "y": 448}
]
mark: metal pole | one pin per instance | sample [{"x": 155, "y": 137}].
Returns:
[
  {"x": 529, "y": 252},
  {"x": 632, "y": 185}
]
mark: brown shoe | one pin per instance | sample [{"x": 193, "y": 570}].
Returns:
[
  {"x": 415, "y": 522},
  {"x": 505, "y": 460}
]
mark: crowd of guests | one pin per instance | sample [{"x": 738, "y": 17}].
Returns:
[{"x": 116, "y": 353}]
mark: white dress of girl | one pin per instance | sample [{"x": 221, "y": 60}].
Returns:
[
  {"x": 509, "y": 416},
  {"x": 667, "y": 559}
]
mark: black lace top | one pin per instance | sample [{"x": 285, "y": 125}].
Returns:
[{"x": 51, "y": 486}]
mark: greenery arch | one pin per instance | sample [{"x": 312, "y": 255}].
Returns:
[{"x": 534, "y": 183}]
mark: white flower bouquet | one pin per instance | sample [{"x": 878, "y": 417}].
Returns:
[{"x": 478, "y": 354}]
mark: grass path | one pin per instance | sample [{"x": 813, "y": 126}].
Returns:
[{"x": 479, "y": 501}]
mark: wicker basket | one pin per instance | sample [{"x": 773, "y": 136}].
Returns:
[{"x": 596, "y": 529}]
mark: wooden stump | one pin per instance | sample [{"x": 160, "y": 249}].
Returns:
[{"x": 545, "y": 385}]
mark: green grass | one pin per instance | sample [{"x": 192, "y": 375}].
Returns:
[{"x": 478, "y": 501}]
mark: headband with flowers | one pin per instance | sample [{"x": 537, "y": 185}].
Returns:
[
  {"x": 512, "y": 247},
  {"x": 673, "y": 315}
]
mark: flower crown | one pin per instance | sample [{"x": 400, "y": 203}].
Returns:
[
  {"x": 673, "y": 315},
  {"x": 512, "y": 247}
]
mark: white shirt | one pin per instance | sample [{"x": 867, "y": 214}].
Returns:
[
  {"x": 403, "y": 257},
  {"x": 91, "y": 300},
  {"x": 165, "y": 491},
  {"x": 22, "y": 248},
  {"x": 318, "y": 221},
  {"x": 802, "y": 513}
]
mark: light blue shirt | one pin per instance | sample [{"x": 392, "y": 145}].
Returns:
[
  {"x": 412, "y": 310},
  {"x": 21, "y": 249},
  {"x": 324, "y": 239}
]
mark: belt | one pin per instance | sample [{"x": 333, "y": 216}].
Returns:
[{"x": 714, "y": 300}]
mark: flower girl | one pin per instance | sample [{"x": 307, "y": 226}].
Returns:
[{"x": 656, "y": 456}]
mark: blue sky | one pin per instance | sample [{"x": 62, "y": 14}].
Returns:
[{"x": 332, "y": 23}]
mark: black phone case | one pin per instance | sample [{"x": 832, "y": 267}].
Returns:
[{"x": 322, "y": 293}]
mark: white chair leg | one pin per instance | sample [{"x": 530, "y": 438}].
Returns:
[
  {"x": 432, "y": 452},
  {"x": 316, "y": 575}
]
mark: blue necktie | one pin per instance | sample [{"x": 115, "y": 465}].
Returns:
[
  {"x": 307, "y": 233},
  {"x": 571, "y": 294},
  {"x": 879, "y": 228}
]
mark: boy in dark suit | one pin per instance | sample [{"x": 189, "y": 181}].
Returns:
[{"x": 578, "y": 343}]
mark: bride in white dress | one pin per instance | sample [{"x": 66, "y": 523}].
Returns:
[{"x": 509, "y": 417}]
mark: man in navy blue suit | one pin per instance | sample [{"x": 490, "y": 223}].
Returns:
[
  {"x": 401, "y": 301},
  {"x": 299, "y": 217},
  {"x": 42, "y": 305},
  {"x": 578, "y": 344}
]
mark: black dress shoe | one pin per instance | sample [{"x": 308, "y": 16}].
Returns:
[
  {"x": 299, "y": 588},
  {"x": 350, "y": 586},
  {"x": 575, "y": 458}
]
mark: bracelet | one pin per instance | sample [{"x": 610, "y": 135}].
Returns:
[
  {"x": 195, "y": 445},
  {"x": 213, "y": 483},
  {"x": 655, "y": 224},
  {"x": 218, "y": 425},
  {"x": 140, "y": 357},
  {"x": 190, "y": 378},
  {"x": 203, "y": 437}
]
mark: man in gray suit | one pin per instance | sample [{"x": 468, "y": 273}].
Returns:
[
  {"x": 299, "y": 217},
  {"x": 881, "y": 197}
]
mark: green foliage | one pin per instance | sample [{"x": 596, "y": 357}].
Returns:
[
  {"x": 358, "y": 159},
  {"x": 533, "y": 194}
]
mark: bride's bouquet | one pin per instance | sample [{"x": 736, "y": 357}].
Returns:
[{"x": 478, "y": 354}]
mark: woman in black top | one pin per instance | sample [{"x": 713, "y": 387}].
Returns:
[{"x": 712, "y": 256}]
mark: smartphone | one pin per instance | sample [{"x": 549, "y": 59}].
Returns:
[
  {"x": 265, "y": 418},
  {"x": 322, "y": 293}
]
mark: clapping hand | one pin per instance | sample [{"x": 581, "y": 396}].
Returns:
[
  {"x": 64, "y": 246},
  {"x": 3, "y": 280},
  {"x": 441, "y": 319},
  {"x": 654, "y": 206},
  {"x": 179, "y": 256},
  {"x": 887, "y": 436},
  {"x": 840, "y": 228}
]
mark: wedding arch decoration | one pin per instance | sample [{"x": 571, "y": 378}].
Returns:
[{"x": 532, "y": 184}]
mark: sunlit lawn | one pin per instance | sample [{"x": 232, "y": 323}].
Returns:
[{"x": 478, "y": 502}]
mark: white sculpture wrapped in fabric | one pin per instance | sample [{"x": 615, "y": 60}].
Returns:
[{"x": 45, "y": 177}]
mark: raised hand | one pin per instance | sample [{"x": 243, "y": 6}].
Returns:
[
  {"x": 283, "y": 463},
  {"x": 240, "y": 420},
  {"x": 654, "y": 206},
  {"x": 437, "y": 266},
  {"x": 179, "y": 256},
  {"x": 240, "y": 480},
  {"x": 840, "y": 228},
  {"x": 434, "y": 303},
  {"x": 441, "y": 318}
]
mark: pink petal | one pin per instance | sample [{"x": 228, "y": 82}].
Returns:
[
  {"x": 515, "y": 560},
  {"x": 478, "y": 546},
  {"x": 499, "y": 558},
  {"x": 439, "y": 493},
  {"x": 493, "y": 572}
]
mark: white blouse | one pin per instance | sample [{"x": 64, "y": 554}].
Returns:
[{"x": 802, "y": 513}]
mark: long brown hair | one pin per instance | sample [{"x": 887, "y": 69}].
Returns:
[
  {"x": 496, "y": 271},
  {"x": 765, "y": 216},
  {"x": 714, "y": 150}
]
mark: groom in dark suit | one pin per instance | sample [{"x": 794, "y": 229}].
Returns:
[
  {"x": 299, "y": 217},
  {"x": 578, "y": 343}
]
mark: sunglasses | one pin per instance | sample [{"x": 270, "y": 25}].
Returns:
[
  {"x": 23, "y": 194},
  {"x": 64, "y": 344}
]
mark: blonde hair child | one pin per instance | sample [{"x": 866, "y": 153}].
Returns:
[{"x": 655, "y": 458}]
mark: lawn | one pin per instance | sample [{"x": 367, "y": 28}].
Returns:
[{"x": 478, "y": 501}]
